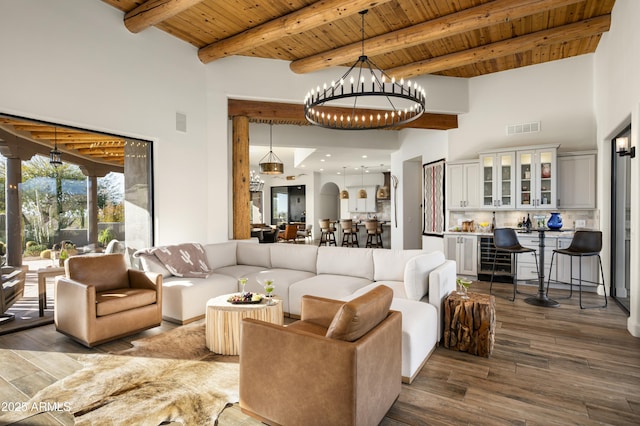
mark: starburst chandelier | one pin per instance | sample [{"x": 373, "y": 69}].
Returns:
[{"x": 402, "y": 102}]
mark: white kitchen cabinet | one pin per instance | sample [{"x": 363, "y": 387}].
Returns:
[
  {"x": 527, "y": 261},
  {"x": 463, "y": 191},
  {"x": 497, "y": 180},
  {"x": 577, "y": 181},
  {"x": 464, "y": 250},
  {"x": 536, "y": 178},
  {"x": 362, "y": 205}
]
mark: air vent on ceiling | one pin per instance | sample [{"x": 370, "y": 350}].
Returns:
[{"x": 518, "y": 129}]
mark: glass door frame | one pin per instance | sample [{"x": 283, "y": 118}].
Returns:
[{"x": 613, "y": 251}]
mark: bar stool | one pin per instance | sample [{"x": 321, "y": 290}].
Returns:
[
  {"x": 327, "y": 236},
  {"x": 374, "y": 234},
  {"x": 505, "y": 240},
  {"x": 583, "y": 244},
  {"x": 349, "y": 233}
]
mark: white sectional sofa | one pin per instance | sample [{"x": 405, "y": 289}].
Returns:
[{"x": 420, "y": 282}]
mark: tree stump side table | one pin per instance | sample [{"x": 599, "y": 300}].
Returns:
[
  {"x": 223, "y": 320},
  {"x": 469, "y": 325}
]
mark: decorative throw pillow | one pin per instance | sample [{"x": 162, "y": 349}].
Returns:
[
  {"x": 357, "y": 317},
  {"x": 184, "y": 260}
]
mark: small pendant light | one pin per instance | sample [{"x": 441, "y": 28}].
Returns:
[
  {"x": 344, "y": 194},
  {"x": 362, "y": 193}
]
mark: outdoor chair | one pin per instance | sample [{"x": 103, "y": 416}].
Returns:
[{"x": 12, "y": 290}]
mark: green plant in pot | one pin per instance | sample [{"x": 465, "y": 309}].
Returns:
[{"x": 64, "y": 254}]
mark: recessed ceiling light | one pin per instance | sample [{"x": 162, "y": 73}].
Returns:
[
  {"x": 364, "y": 156},
  {"x": 328, "y": 155},
  {"x": 322, "y": 160}
]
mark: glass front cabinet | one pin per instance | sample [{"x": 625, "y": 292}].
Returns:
[
  {"x": 498, "y": 180},
  {"x": 536, "y": 178}
]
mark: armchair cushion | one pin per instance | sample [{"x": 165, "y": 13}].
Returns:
[
  {"x": 122, "y": 299},
  {"x": 91, "y": 269},
  {"x": 357, "y": 317}
]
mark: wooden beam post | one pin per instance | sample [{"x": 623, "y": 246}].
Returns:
[{"x": 241, "y": 178}]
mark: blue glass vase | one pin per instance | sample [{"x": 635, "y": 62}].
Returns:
[{"x": 555, "y": 221}]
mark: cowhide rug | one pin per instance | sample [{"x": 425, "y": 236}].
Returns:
[{"x": 149, "y": 384}]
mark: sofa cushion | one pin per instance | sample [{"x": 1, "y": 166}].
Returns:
[
  {"x": 282, "y": 280},
  {"x": 185, "y": 299},
  {"x": 253, "y": 254},
  {"x": 396, "y": 286},
  {"x": 416, "y": 273},
  {"x": 292, "y": 256},
  {"x": 221, "y": 254},
  {"x": 239, "y": 271},
  {"x": 325, "y": 285},
  {"x": 150, "y": 263},
  {"x": 357, "y": 317},
  {"x": 388, "y": 265},
  {"x": 355, "y": 262}
]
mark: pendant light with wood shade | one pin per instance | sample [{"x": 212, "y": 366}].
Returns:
[
  {"x": 362, "y": 193},
  {"x": 344, "y": 194},
  {"x": 270, "y": 164}
]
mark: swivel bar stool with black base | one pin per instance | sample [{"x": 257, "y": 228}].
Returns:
[
  {"x": 327, "y": 235},
  {"x": 505, "y": 240},
  {"x": 349, "y": 233},
  {"x": 583, "y": 244}
]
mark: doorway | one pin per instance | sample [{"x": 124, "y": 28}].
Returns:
[
  {"x": 620, "y": 224},
  {"x": 288, "y": 205}
]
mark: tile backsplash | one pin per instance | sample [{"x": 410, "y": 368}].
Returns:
[{"x": 590, "y": 217}]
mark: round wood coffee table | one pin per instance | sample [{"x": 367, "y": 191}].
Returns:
[{"x": 223, "y": 321}]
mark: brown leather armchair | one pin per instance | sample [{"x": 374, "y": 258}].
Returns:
[
  {"x": 342, "y": 363},
  {"x": 99, "y": 299}
]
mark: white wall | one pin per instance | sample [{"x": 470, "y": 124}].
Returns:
[
  {"x": 559, "y": 94},
  {"x": 617, "y": 103},
  {"x": 73, "y": 62},
  {"x": 428, "y": 146}
]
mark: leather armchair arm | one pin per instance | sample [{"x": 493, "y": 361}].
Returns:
[
  {"x": 319, "y": 310},
  {"x": 141, "y": 279},
  {"x": 75, "y": 305}
]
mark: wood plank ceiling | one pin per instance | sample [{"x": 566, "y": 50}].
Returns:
[{"x": 406, "y": 38}]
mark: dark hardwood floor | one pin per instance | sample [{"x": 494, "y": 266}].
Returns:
[{"x": 549, "y": 366}]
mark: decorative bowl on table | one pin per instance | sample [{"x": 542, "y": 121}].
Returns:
[{"x": 247, "y": 298}]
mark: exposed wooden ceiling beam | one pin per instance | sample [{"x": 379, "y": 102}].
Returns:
[
  {"x": 286, "y": 113},
  {"x": 153, "y": 12},
  {"x": 587, "y": 28},
  {"x": 487, "y": 14},
  {"x": 305, "y": 19}
]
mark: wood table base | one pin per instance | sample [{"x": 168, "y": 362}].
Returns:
[
  {"x": 470, "y": 324},
  {"x": 223, "y": 321}
]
